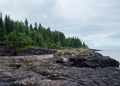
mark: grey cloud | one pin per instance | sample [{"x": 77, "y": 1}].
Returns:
[
  {"x": 84, "y": 18},
  {"x": 115, "y": 36}
]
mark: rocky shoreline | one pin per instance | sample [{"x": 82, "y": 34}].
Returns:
[
  {"x": 6, "y": 51},
  {"x": 67, "y": 68}
]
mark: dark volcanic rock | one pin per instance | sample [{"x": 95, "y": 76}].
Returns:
[
  {"x": 32, "y": 51},
  {"x": 6, "y": 51},
  {"x": 35, "y": 72},
  {"x": 85, "y": 58},
  {"x": 105, "y": 61},
  {"x": 72, "y": 70},
  {"x": 75, "y": 76}
]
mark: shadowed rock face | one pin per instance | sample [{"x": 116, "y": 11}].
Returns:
[
  {"x": 6, "y": 51},
  {"x": 105, "y": 61},
  {"x": 85, "y": 58},
  {"x": 31, "y": 71}
]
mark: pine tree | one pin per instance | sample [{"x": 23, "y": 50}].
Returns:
[
  {"x": 1, "y": 21},
  {"x": 35, "y": 27},
  {"x": 40, "y": 36},
  {"x": 62, "y": 39},
  {"x": 31, "y": 27},
  {"x": 40, "y": 28},
  {"x": 26, "y": 22},
  {"x": 2, "y": 29},
  {"x": 17, "y": 41},
  {"x": 84, "y": 45}
]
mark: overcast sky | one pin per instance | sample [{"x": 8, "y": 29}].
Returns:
[{"x": 97, "y": 22}]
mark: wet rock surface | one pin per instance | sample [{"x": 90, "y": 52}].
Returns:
[{"x": 32, "y": 71}]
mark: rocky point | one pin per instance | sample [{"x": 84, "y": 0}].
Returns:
[{"x": 81, "y": 67}]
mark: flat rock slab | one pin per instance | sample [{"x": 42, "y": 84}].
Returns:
[{"x": 29, "y": 71}]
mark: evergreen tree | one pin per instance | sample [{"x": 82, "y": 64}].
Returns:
[
  {"x": 31, "y": 27},
  {"x": 8, "y": 26},
  {"x": 2, "y": 29},
  {"x": 84, "y": 45},
  {"x": 26, "y": 22},
  {"x": 40, "y": 28},
  {"x": 18, "y": 33},
  {"x": 62, "y": 39},
  {"x": 1, "y": 21},
  {"x": 35, "y": 27},
  {"x": 17, "y": 41}
]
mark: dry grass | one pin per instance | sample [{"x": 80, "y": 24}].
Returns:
[
  {"x": 70, "y": 52},
  {"x": 39, "y": 63}
]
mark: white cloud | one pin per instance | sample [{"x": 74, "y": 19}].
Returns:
[
  {"x": 97, "y": 22},
  {"x": 105, "y": 40}
]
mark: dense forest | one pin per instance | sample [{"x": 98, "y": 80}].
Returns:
[{"x": 22, "y": 35}]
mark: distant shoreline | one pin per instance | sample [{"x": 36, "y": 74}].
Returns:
[{"x": 95, "y": 49}]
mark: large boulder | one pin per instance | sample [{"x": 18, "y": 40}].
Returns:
[{"x": 61, "y": 60}]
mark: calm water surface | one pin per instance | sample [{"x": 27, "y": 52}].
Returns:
[{"x": 114, "y": 53}]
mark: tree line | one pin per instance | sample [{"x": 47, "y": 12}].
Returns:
[{"x": 21, "y": 35}]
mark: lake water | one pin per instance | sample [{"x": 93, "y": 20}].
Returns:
[{"x": 114, "y": 53}]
